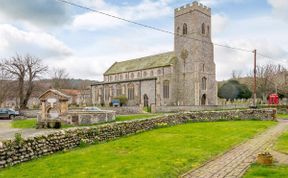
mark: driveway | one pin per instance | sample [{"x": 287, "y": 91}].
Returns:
[{"x": 6, "y": 132}]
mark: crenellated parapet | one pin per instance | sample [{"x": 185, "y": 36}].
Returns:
[{"x": 191, "y": 7}]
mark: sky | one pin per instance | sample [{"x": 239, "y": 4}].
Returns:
[{"x": 86, "y": 44}]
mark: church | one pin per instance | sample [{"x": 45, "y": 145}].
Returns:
[{"x": 183, "y": 77}]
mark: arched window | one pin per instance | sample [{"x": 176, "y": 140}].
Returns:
[
  {"x": 208, "y": 29},
  {"x": 185, "y": 30},
  {"x": 151, "y": 73},
  {"x": 203, "y": 67},
  {"x": 166, "y": 89},
  {"x": 139, "y": 74},
  {"x": 126, "y": 76},
  {"x": 121, "y": 77},
  {"x": 145, "y": 74},
  {"x": 118, "y": 90},
  {"x": 203, "y": 28},
  {"x": 204, "y": 82},
  {"x": 107, "y": 93},
  {"x": 130, "y": 91},
  {"x": 159, "y": 72},
  {"x": 132, "y": 75}
]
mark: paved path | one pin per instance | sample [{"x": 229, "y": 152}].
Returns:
[
  {"x": 235, "y": 162},
  {"x": 6, "y": 132}
]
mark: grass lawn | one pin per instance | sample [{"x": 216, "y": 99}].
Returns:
[
  {"x": 259, "y": 171},
  {"x": 165, "y": 152},
  {"x": 282, "y": 143},
  {"x": 134, "y": 116},
  {"x": 282, "y": 116},
  {"x": 24, "y": 124}
]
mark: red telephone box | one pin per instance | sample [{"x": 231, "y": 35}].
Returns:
[{"x": 273, "y": 99}]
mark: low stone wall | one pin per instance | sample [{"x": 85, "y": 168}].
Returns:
[
  {"x": 29, "y": 113},
  {"x": 18, "y": 150},
  {"x": 165, "y": 109},
  {"x": 126, "y": 110},
  {"x": 88, "y": 117}
]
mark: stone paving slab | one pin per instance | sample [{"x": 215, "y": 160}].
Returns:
[{"x": 234, "y": 163}]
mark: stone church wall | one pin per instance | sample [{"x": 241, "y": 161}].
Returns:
[{"x": 13, "y": 152}]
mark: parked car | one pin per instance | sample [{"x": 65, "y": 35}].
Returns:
[{"x": 8, "y": 113}]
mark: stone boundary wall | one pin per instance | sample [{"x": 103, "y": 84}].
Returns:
[
  {"x": 16, "y": 151},
  {"x": 165, "y": 109},
  {"x": 30, "y": 113}
]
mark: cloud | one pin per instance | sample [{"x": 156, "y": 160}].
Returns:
[
  {"x": 147, "y": 9},
  {"x": 36, "y": 43},
  {"x": 219, "y": 23},
  {"x": 39, "y": 12},
  {"x": 280, "y": 8},
  {"x": 217, "y": 2}
]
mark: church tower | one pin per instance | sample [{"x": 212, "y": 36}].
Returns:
[{"x": 196, "y": 79}]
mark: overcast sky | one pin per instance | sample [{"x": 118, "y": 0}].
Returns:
[{"x": 86, "y": 43}]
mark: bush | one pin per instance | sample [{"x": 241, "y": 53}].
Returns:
[
  {"x": 18, "y": 138},
  {"x": 234, "y": 90}
]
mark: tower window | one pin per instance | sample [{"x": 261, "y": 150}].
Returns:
[
  {"x": 208, "y": 30},
  {"x": 166, "y": 89},
  {"x": 204, "y": 82},
  {"x": 185, "y": 30},
  {"x": 203, "y": 28}
]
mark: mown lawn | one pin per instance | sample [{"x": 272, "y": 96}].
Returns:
[
  {"x": 165, "y": 152},
  {"x": 282, "y": 116},
  {"x": 275, "y": 171},
  {"x": 259, "y": 171},
  {"x": 282, "y": 143},
  {"x": 24, "y": 124},
  {"x": 134, "y": 116}
]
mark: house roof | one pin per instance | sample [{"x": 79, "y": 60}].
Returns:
[
  {"x": 148, "y": 62},
  {"x": 71, "y": 92}
]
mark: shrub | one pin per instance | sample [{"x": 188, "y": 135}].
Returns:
[{"x": 18, "y": 138}]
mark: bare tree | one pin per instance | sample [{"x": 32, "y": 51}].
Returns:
[
  {"x": 59, "y": 78},
  {"x": 236, "y": 74},
  {"x": 25, "y": 70},
  {"x": 5, "y": 84},
  {"x": 268, "y": 79}
]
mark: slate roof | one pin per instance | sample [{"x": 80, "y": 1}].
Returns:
[{"x": 148, "y": 62}]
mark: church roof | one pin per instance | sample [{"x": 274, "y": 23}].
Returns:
[{"x": 148, "y": 62}]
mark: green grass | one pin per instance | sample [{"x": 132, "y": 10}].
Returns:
[
  {"x": 259, "y": 171},
  {"x": 165, "y": 152},
  {"x": 282, "y": 143},
  {"x": 282, "y": 116},
  {"x": 134, "y": 116},
  {"x": 24, "y": 124}
]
